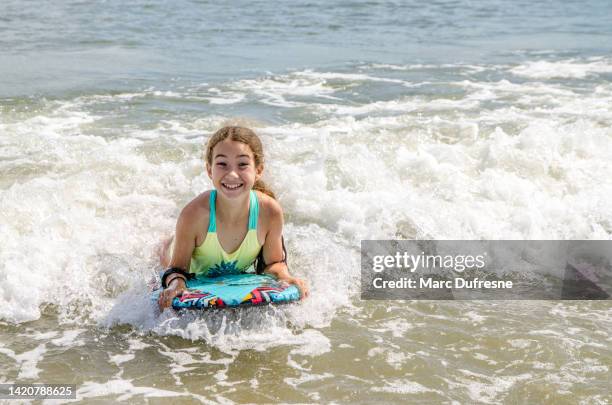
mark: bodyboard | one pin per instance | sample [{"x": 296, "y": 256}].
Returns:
[{"x": 235, "y": 290}]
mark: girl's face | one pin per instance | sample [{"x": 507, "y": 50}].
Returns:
[{"x": 233, "y": 170}]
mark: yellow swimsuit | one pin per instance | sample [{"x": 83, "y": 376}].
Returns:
[{"x": 210, "y": 260}]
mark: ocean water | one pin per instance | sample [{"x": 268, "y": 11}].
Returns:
[{"x": 381, "y": 119}]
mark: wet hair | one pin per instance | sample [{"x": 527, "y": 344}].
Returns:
[{"x": 246, "y": 136}]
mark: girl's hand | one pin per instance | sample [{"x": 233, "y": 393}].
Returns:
[
  {"x": 300, "y": 284},
  {"x": 176, "y": 288}
]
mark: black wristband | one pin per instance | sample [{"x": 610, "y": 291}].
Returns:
[
  {"x": 175, "y": 270},
  {"x": 176, "y": 277}
]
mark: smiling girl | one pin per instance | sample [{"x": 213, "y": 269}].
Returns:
[{"x": 223, "y": 231}]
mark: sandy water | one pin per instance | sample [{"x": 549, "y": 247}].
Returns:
[{"x": 469, "y": 121}]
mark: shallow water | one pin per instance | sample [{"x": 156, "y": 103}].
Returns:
[{"x": 452, "y": 120}]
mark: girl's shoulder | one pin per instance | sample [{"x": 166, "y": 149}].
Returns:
[
  {"x": 198, "y": 208},
  {"x": 269, "y": 208}
]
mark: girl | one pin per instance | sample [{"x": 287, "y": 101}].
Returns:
[{"x": 240, "y": 216}]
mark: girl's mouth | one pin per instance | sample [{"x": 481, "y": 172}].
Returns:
[{"x": 232, "y": 186}]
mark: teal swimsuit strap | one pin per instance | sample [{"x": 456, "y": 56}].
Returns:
[
  {"x": 253, "y": 211},
  {"x": 212, "y": 220}
]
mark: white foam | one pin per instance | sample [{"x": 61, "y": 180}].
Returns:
[
  {"x": 378, "y": 106},
  {"x": 36, "y": 335},
  {"x": 571, "y": 68},
  {"x": 488, "y": 389},
  {"x": 167, "y": 93},
  {"x": 100, "y": 227},
  {"x": 225, "y": 97},
  {"x": 126, "y": 390},
  {"x": 229, "y": 99},
  {"x": 69, "y": 338},
  {"x": 85, "y": 100},
  {"x": 282, "y": 90},
  {"x": 27, "y": 361},
  {"x": 179, "y": 361},
  {"x": 419, "y": 66},
  {"x": 520, "y": 343},
  {"x": 275, "y": 90},
  {"x": 475, "y": 317},
  {"x": 348, "y": 77},
  {"x": 307, "y": 377},
  {"x": 398, "y": 326},
  {"x": 119, "y": 359},
  {"x": 397, "y": 386},
  {"x": 504, "y": 87},
  {"x": 314, "y": 344},
  {"x": 397, "y": 359},
  {"x": 136, "y": 344}
]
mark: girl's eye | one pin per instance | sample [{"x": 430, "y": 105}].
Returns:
[
  {"x": 222, "y": 164},
  {"x": 243, "y": 164}
]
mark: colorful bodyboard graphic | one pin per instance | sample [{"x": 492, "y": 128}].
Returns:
[{"x": 235, "y": 290}]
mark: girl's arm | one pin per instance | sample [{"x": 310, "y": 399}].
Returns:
[
  {"x": 273, "y": 250},
  {"x": 184, "y": 244}
]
